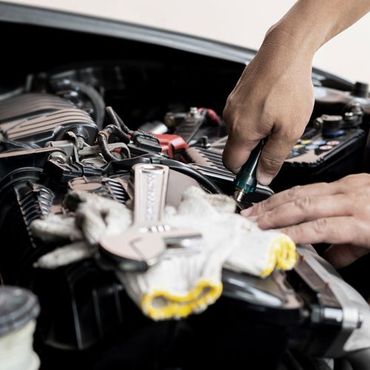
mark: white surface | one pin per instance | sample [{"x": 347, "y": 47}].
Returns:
[{"x": 240, "y": 22}]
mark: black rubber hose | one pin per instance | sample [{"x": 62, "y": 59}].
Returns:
[
  {"x": 116, "y": 120},
  {"x": 95, "y": 99},
  {"x": 187, "y": 170},
  {"x": 173, "y": 165}
]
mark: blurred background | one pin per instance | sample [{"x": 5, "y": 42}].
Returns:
[{"x": 240, "y": 22}]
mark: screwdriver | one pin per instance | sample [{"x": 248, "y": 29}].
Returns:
[{"x": 246, "y": 179}]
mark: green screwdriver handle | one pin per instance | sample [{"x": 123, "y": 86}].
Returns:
[{"x": 246, "y": 180}]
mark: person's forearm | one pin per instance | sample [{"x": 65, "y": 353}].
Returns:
[{"x": 311, "y": 23}]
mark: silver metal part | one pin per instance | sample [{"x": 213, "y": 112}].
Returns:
[
  {"x": 353, "y": 313},
  {"x": 58, "y": 157},
  {"x": 148, "y": 237},
  {"x": 150, "y": 193},
  {"x": 156, "y": 127},
  {"x": 239, "y": 195}
]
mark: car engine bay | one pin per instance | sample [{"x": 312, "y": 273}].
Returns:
[{"x": 72, "y": 118}]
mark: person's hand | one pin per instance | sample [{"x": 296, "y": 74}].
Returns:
[
  {"x": 273, "y": 99},
  {"x": 337, "y": 213}
]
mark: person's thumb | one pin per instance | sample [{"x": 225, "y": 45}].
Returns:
[
  {"x": 274, "y": 153},
  {"x": 237, "y": 151}
]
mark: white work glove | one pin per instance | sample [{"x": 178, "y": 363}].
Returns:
[
  {"x": 181, "y": 284},
  {"x": 187, "y": 280},
  {"x": 81, "y": 230}
]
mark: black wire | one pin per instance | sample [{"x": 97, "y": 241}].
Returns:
[
  {"x": 103, "y": 140},
  {"x": 127, "y": 164},
  {"x": 187, "y": 170},
  {"x": 117, "y": 121},
  {"x": 119, "y": 126},
  {"x": 103, "y": 144},
  {"x": 123, "y": 125}
]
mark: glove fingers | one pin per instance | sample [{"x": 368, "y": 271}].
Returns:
[
  {"x": 54, "y": 228},
  {"x": 65, "y": 255},
  {"x": 91, "y": 222},
  {"x": 222, "y": 203},
  {"x": 117, "y": 220}
]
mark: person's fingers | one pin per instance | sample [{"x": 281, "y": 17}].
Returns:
[
  {"x": 351, "y": 182},
  {"x": 306, "y": 208},
  {"x": 290, "y": 195},
  {"x": 333, "y": 230},
  {"x": 274, "y": 153},
  {"x": 343, "y": 255},
  {"x": 237, "y": 152}
]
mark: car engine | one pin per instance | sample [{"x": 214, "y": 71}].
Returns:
[{"x": 83, "y": 127}]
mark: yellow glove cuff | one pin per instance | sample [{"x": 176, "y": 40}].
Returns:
[
  {"x": 160, "y": 304},
  {"x": 282, "y": 255}
]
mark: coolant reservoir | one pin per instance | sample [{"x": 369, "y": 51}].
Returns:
[{"x": 18, "y": 311}]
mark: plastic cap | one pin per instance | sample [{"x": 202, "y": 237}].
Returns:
[{"x": 18, "y": 306}]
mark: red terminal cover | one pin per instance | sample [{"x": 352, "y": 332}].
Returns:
[{"x": 171, "y": 144}]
